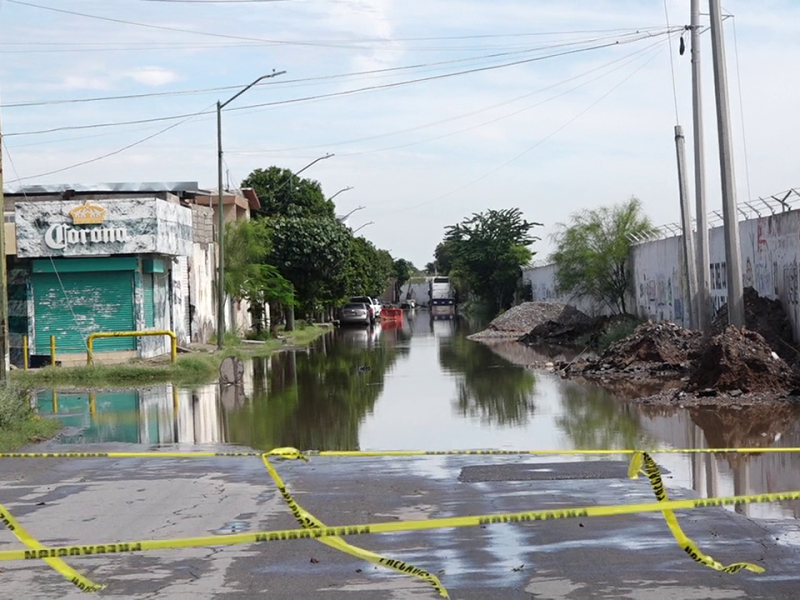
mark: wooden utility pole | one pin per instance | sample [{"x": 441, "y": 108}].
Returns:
[{"x": 3, "y": 279}]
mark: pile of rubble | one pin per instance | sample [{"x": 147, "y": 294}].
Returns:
[
  {"x": 740, "y": 359},
  {"x": 768, "y": 318},
  {"x": 656, "y": 349},
  {"x": 546, "y": 318}
]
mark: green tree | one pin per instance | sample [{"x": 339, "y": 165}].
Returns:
[
  {"x": 401, "y": 271},
  {"x": 247, "y": 275},
  {"x": 486, "y": 252},
  {"x": 282, "y": 193},
  {"x": 487, "y": 386},
  {"x": 592, "y": 253},
  {"x": 366, "y": 269},
  {"x": 311, "y": 253}
]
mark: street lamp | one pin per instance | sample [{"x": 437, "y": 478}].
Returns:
[
  {"x": 364, "y": 225},
  {"x": 348, "y": 188},
  {"x": 221, "y": 216},
  {"x": 344, "y": 218}
]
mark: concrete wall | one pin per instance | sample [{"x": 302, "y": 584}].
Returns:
[
  {"x": 770, "y": 250},
  {"x": 543, "y": 288}
]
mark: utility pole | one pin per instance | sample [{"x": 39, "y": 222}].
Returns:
[
  {"x": 733, "y": 258},
  {"x": 221, "y": 213},
  {"x": 689, "y": 271},
  {"x": 3, "y": 278},
  {"x": 703, "y": 254}
]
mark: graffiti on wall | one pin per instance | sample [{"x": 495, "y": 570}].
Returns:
[{"x": 790, "y": 282}]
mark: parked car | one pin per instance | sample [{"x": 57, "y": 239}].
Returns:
[
  {"x": 355, "y": 313},
  {"x": 373, "y": 314}
]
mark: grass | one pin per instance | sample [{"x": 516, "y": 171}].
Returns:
[
  {"x": 616, "y": 331},
  {"x": 190, "y": 369},
  {"x": 19, "y": 424}
]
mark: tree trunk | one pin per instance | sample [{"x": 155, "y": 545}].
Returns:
[{"x": 289, "y": 318}]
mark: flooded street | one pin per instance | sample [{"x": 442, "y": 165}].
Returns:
[{"x": 424, "y": 386}]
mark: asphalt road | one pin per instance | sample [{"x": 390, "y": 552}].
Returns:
[{"x": 64, "y": 501}]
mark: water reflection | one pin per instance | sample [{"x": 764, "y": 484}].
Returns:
[
  {"x": 488, "y": 387},
  {"x": 316, "y": 399},
  {"x": 420, "y": 384}
]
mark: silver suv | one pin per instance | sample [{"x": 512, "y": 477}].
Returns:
[{"x": 373, "y": 313}]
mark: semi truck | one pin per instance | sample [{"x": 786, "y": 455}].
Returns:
[{"x": 442, "y": 298}]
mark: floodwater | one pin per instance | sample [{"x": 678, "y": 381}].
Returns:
[{"x": 423, "y": 386}]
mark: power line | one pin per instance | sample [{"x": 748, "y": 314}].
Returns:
[
  {"x": 109, "y": 154},
  {"x": 465, "y": 115},
  {"x": 284, "y": 83},
  {"x": 537, "y": 144},
  {"x": 336, "y": 94}
]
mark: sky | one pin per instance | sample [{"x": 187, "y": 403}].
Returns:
[{"x": 432, "y": 111}]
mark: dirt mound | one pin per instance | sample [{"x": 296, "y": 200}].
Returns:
[
  {"x": 740, "y": 359},
  {"x": 661, "y": 346},
  {"x": 520, "y": 320},
  {"x": 766, "y": 317}
]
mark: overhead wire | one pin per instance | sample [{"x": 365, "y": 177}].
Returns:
[
  {"x": 531, "y": 148},
  {"x": 331, "y": 94},
  {"x": 741, "y": 108},
  {"x": 287, "y": 82},
  {"x": 462, "y": 115},
  {"x": 52, "y": 262},
  {"x": 108, "y": 154},
  {"x": 672, "y": 67}
]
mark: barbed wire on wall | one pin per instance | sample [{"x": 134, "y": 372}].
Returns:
[{"x": 749, "y": 209}]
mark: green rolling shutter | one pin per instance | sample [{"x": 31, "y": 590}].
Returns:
[
  {"x": 73, "y": 305},
  {"x": 149, "y": 307}
]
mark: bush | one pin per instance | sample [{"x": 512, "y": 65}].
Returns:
[
  {"x": 15, "y": 406},
  {"x": 617, "y": 330}
]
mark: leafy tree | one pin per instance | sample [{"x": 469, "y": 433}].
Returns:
[
  {"x": 366, "y": 269},
  {"x": 311, "y": 253},
  {"x": 247, "y": 244},
  {"x": 486, "y": 252},
  {"x": 592, "y": 253},
  {"x": 284, "y": 194},
  {"x": 401, "y": 271}
]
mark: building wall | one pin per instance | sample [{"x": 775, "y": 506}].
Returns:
[
  {"x": 202, "y": 267},
  {"x": 770, "y": 251},
  {"x": 542, "y": 280}
]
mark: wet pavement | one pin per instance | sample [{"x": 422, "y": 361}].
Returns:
[
  {"x": 100, "y": 500},
  {"x": 419, "y": 386}
]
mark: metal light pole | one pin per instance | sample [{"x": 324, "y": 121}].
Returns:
[
  {"x": 221, "y": 215},
  {"x": 364, "y": 225},
  {"x": 344, "y": 218},
  {"x": 290, "y": 309},
  {"x": 348, "y": 188}
]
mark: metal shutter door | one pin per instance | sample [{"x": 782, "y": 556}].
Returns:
[{"x": 87, "y": 303}]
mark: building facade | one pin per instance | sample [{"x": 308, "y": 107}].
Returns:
[{"x": 98, "y": 260}]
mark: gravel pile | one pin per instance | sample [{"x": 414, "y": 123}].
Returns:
[{"x": 522, "y": 319}]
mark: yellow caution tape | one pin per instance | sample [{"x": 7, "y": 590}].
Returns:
[
  {"x": 309, "y": 521},
  {"x": 59, "y": 565},
  {"x": 399, "y": 453},
  {"x": 653, "y": 473},
  {"x": 392, "y": 527}
]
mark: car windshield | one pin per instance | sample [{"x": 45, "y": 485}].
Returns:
[{"x": 354, "y": 305}]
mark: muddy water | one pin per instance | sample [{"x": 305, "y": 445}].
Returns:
[{"x": 423, "y": 385}]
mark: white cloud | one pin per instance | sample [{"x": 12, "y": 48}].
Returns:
[{"x": 152, "y": 76}]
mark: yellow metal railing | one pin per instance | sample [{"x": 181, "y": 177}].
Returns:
[{"x": 113, "y": 334}]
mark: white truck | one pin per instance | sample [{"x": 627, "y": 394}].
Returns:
[{"x": 442, "y": 300}]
